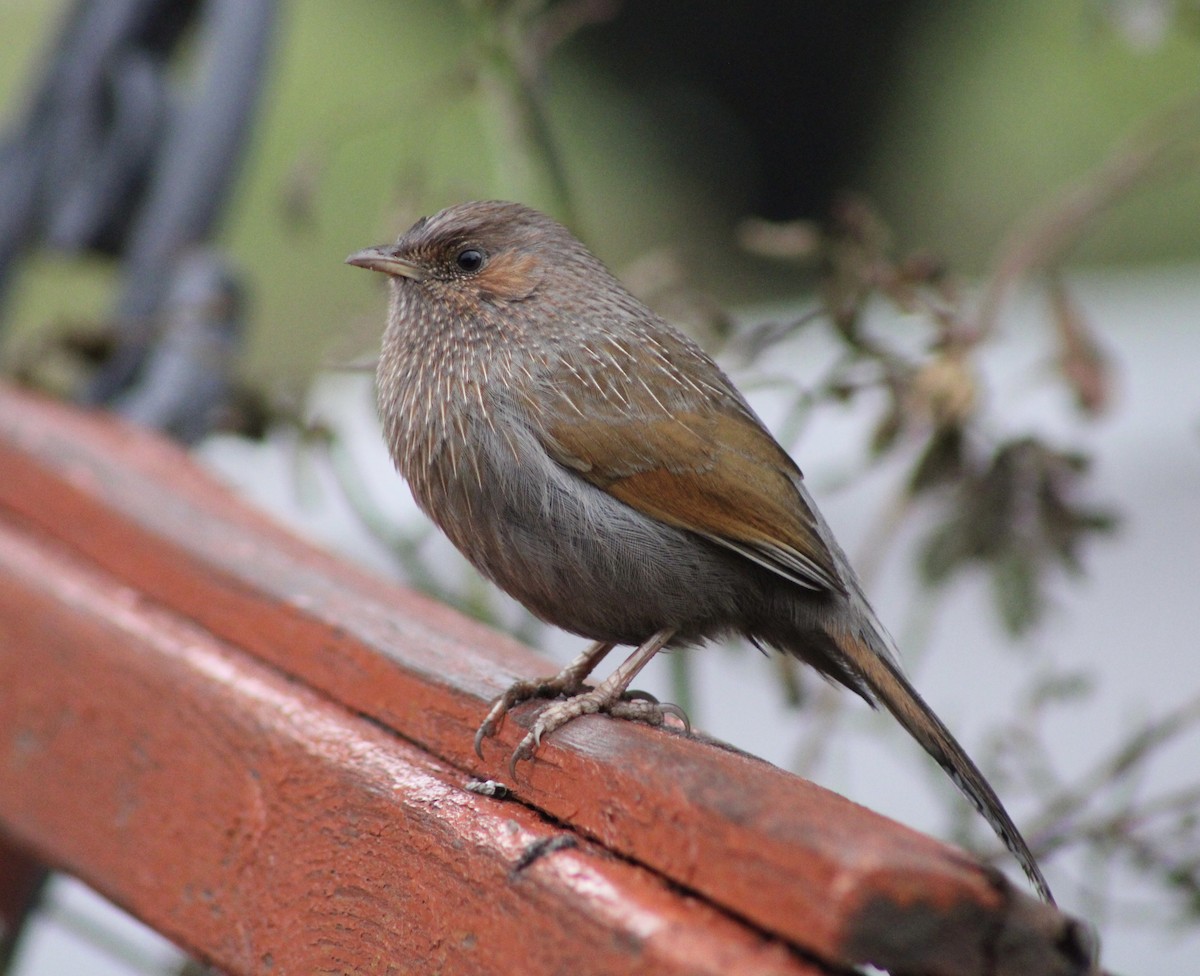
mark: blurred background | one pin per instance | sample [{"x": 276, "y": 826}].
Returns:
[{"x": 950, "y": 250}]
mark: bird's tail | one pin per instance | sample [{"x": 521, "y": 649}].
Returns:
[{"x": 888, "y": 686}]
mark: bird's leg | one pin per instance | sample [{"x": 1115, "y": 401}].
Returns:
[
  {"x": 609, "y": 696},
  {"x": 568, "y": 681}
]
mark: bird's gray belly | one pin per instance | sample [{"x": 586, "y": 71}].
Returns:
[{"x": 577, "y": 557}]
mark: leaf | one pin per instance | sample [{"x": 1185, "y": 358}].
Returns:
[
  {"x": 946, "y": 549},
  {"x": 941, "y": 463},
  {"x": 1016, "y": 586},
  {"x": 1061, "y": 686},
  {"x": 886, "y": 432},
  {"x": 1015, "y": 518},
  {"x": 1083, "y": 362}
]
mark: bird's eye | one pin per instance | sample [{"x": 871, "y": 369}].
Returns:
[{"x": 470, "y": 259}]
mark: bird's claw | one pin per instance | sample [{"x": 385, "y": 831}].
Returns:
[
  {"x": 485, "y": 731},
  {"x": 523, "y": 751}
]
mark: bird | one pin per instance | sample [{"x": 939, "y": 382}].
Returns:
[{"x": 597, "y": 465}]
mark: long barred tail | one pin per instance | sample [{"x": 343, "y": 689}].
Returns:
[{"x": 891, "y": 689}]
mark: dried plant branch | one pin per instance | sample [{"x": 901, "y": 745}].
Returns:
[
  {"x": 513, "y": 39},
  {"x": 1168, "y": 143},
  {"x": 1061, "y": 820}
]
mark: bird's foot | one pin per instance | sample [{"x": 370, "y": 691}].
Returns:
[
  {"x": 610, "y": 696},
  {"x": 632, "y": 706},
  {"x": 635, "y": 706},
  {"x": 522, "y": 691},
  {"x": 569, "y": 681}
]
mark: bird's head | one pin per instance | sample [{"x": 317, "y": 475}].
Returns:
[{"x": 489, "y": 251}]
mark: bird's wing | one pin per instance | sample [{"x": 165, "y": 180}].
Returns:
[{"x": 708, "y": 467}]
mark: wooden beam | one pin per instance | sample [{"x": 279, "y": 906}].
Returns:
[
  {"x": 796, "y": 865},
  {"x": 265, "y": 828}
]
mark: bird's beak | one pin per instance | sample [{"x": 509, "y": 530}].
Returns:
[{"x": 382, "y": 259}]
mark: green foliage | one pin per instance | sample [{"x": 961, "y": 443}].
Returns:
[{"x": 1015, "y": 516}]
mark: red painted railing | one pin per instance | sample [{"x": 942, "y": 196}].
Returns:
[{"x": 263, "y": 753}]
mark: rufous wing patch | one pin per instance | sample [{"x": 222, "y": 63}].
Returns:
[{"x": 721, "y": 476}]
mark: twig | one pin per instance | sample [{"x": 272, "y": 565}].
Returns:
[{"x": 1167, "y": 142}]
